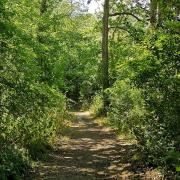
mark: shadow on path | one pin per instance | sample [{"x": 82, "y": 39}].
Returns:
[{"x": 90, "y": 152}]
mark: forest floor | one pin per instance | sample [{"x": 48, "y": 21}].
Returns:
[{"x": 90, "y": 151}]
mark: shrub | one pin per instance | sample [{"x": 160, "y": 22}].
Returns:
[
  {"x": 127, "y": 106},
  {"x": 25, "y": 131},
  {"x": 147, "y": 104},
  {"x": 96, "y": 106}
]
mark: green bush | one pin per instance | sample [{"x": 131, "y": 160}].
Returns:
[
  {"x": 97, "y": 104},
  {"x": 25, "y": 132},
  {"x": 147, "y": 104},
  {"x": 14, "y": 161},
  {"x": 31, "y": 106},
  {"x": 127, "y": 106},
  {"x": 156, "y": 73}
]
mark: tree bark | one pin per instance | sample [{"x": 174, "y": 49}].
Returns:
[
  {"x": 105, "y": 53},
  {"x": 153, "y": 12},
  {"x": 41, "y": 28}
]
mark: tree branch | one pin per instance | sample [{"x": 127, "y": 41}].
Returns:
[
  {"x": 126, "y": 13},
  {"x": 122, "y": 28}
]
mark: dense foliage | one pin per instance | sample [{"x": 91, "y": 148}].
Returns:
[
  {"x": 39, "y": 50},
  {"x": 144, "y": 69},
  {"x": 50, "y": 57},
  {"x": 147, "y": 102}
]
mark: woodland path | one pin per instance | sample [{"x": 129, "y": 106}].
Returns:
[{"x": 91, "y": 152}]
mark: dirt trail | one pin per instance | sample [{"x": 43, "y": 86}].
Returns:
[{"x": 91, "y": 152}]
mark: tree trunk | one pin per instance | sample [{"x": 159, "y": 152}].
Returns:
[
  {"x": 41, "y": 29},
  {"x": 43, "y": 8},
  {"x": 105, "y": 54},
  {"x": 153, "y": 12}
]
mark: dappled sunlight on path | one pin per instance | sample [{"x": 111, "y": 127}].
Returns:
[{"x": 91, "y": 152}]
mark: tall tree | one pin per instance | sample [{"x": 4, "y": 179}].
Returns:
[
  {"x": 42, "y": 40},
  {"x": 105, "y": 54},
  {"x": 153, "y": 12}
]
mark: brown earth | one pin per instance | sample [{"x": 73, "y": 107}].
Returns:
[{"x": 92, "y": 152}]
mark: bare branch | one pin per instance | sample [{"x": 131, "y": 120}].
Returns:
[{"x": 126, "y": 13}]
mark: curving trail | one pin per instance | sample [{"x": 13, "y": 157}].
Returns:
[{"x": 91, "y": 152}]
